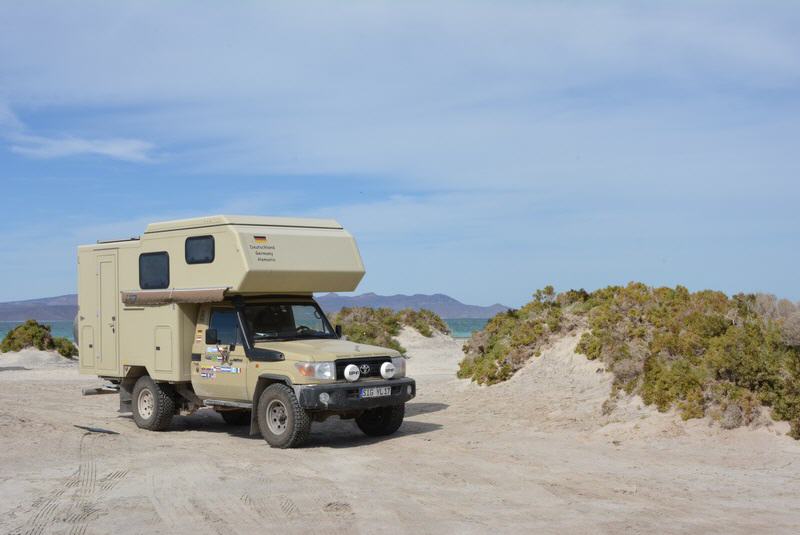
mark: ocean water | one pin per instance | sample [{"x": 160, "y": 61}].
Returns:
[
  {"x": 58, "y": 328},
  {"x": 464, "y": 327},
  {"x": 460, "y": 327}
]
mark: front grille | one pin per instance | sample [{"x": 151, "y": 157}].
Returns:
[{"x": 374, "y": 364}]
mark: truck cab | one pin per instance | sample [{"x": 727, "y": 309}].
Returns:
[
  {"x": 219, "y": 313},
  {"x": 287, "y": 346}
]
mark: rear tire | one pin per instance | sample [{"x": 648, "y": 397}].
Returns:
[
  {"x": 236, "y": 417},
  {"x": 153, "y": 407},
  {"x": 282, "y": 421},
  {"x": 381, "y": 421}
]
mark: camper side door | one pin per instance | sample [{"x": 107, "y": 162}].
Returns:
[{"x": 221, "y": 371}]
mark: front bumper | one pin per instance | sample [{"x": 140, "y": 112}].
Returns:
[{"x": 344, "y": 396}]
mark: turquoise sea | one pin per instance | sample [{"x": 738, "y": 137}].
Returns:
[
  {"x": 460, "y": 327},
  {"x": 464, "y": 327},
  {"x": 58, "y": 328}
]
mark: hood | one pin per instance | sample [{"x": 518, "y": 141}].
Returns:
[{"x": 326, "y": 349}]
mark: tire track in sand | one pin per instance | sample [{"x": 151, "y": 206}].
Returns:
[{"x": 73, "y": 502}]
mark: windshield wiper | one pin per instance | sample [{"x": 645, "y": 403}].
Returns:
[
  {"x": 292, "y": 336},
  {"x": 313, "y": 335},
  {"x": 276, "y": 336}
]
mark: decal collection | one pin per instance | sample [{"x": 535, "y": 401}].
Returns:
[
  {"x": 216, "y": 353},
  {"x": 210, "y": 372},
  {"x": 220, "y": 355}
]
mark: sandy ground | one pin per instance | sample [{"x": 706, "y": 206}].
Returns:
[{"x": 534, "y": 454}]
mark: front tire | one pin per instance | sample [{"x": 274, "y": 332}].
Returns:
[
  {"x": 153, "y": 407},
  {"x": 381, "y": 421},
  {"x": 281, "y": 419}
]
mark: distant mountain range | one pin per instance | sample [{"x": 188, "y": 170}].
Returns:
[
  {"x": 444, "y": 305},
  {"x": 60, "y": 308},
  {"x": 64, "y": 307}
]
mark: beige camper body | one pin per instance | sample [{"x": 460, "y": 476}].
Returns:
[{"x": 121, "y": 324}]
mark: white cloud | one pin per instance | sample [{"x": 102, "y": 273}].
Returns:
[
  {"x": 8, "y": 120},
  {"x": 21, "y": 141},
  {"x": 438, "y": 93},
  {"x": 132, "y": 150}
]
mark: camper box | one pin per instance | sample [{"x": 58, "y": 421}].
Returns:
[{"x": 138, "y": 298}]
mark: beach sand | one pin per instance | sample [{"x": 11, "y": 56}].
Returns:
[{"x": 533, "y": 454}]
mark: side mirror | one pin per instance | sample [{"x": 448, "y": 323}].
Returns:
[
  {"x": 211, "y": 337},
  {"x": 338, "y": 330}
]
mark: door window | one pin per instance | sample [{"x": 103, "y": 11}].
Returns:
[{"x": 226, "y": 324}]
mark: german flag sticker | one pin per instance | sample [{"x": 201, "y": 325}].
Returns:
[{"x": 260, "y": 239}]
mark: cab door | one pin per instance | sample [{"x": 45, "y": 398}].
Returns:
[{"x": 221, "y": 370}]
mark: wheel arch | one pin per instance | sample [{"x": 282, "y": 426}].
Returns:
[
  {"x": 264, "y": 380},
  {"x": 126, "y": 384}
]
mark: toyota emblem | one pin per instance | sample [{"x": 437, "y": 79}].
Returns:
[{"x": 364, "y": 369}]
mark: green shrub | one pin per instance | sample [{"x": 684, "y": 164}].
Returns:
[
  {"x": 703, "y": 353},
  {"x": 29, "y": 334},
  {"x": 379, "y": 326},
  {"x": 512, "y": 337},
  {"x": 675, "y": 382},
  {"x": 65, "y": 347},
  {"x": 424, "y": 321},
  {"x": 33, "y": 334}
]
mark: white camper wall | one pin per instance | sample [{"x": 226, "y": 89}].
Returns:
[
  {"x": 252, "y": 255},
  {"x": 156, "y": 337}
]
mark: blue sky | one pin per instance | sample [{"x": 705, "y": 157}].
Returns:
[{"x": 479, "y": 149}]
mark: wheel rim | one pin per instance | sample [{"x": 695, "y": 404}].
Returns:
[
  {"x": 276, "y": 417},
  {"x": 145, "y": 404}
]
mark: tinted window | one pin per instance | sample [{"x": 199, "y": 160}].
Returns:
[
  {"x": 153, "y": 271},
  {"x": 224, "y": 321},
  {"x": 200, "y": 250},
  {"x": 285, "y": 320},
  {"x": 308, "y": 316}
]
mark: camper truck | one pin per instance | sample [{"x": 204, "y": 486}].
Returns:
[{"x": 218, "y": 312}]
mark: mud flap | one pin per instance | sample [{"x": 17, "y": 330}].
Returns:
[{"x": 125, "y": 397}]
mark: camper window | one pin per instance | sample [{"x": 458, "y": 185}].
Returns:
[
  {"x": 224, "y": 321},
  {"x": 200, "y": 250},
  {"x": 154, "y": 271}
]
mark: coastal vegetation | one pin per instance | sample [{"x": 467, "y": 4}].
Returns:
[
  {"x": 703, "y": 353},
  {"x": 379, "y": 326},
  {"x": 33, "y": 334}
]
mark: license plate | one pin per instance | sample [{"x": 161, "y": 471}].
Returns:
[{"x": 375, "y": 392}]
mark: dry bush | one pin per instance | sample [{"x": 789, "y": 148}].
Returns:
[{"x": 790, "y": 330}]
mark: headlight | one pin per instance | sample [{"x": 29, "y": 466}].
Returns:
[
  {"x": 399, "y": 367},
  {"x": 317, "y": 370},
  {"x": 387, "y": 370}
]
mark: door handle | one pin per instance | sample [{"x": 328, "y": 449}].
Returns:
[{"x": 236, "y": 360}]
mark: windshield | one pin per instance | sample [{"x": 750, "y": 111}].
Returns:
[{"x": 274, "y": 321}]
